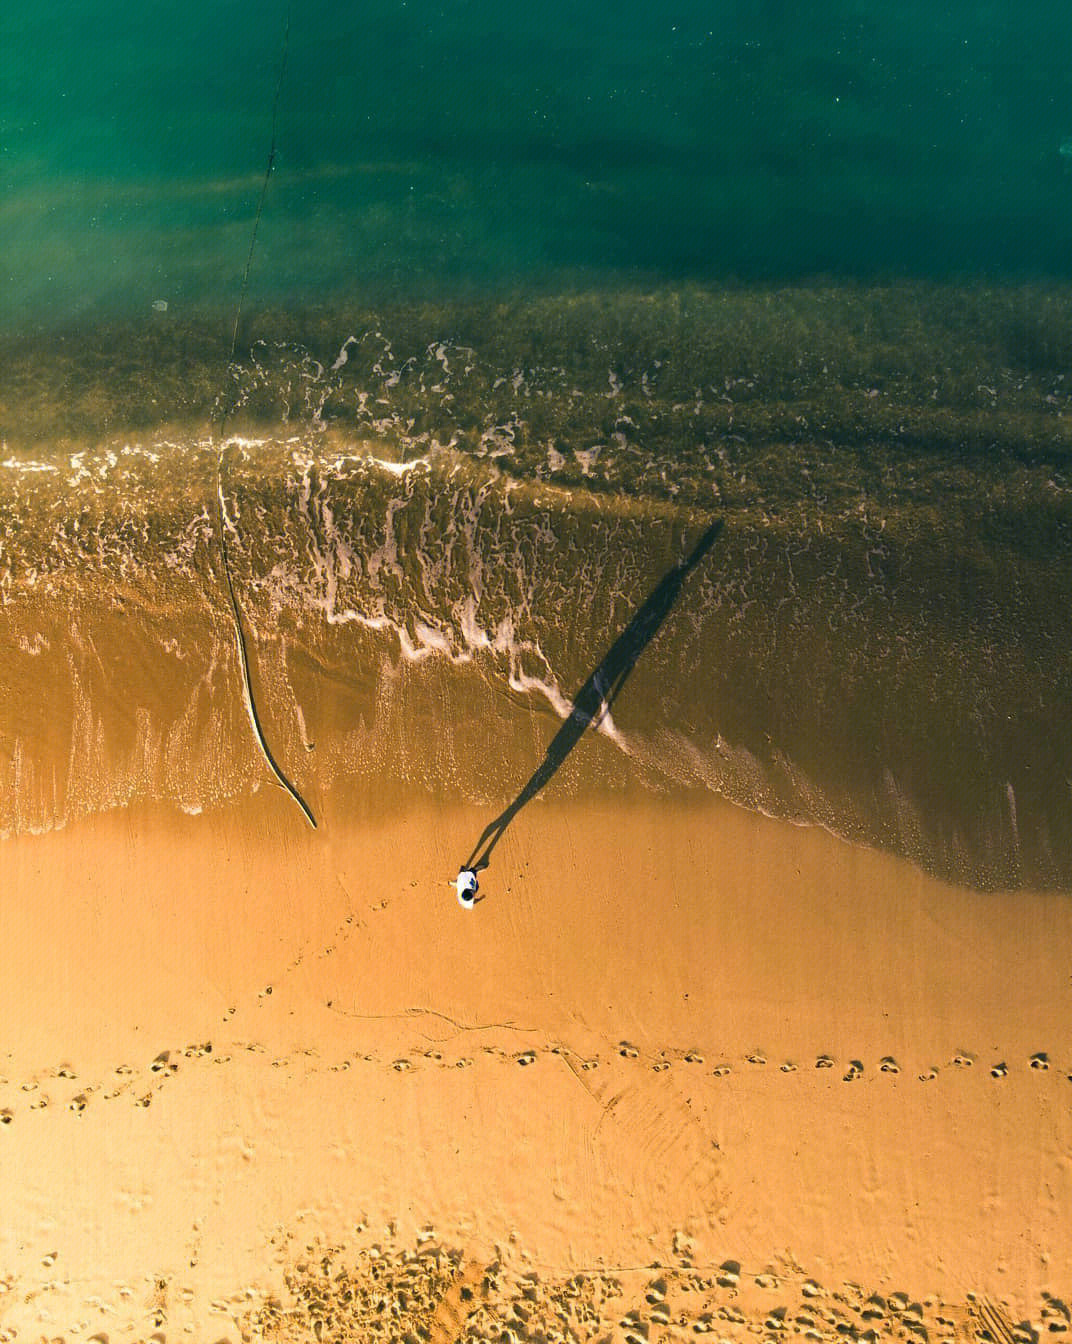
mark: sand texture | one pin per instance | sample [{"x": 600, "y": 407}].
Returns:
[{"x": 683, "y": 1066}]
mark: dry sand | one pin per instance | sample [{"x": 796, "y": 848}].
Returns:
[{"x": 684, "y": 1068}]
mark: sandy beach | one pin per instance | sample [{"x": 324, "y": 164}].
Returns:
[{"x": 674, "y": 1037}]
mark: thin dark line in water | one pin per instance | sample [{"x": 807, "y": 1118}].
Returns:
[
  {"x": 240, "y": 637},
  {"x": 264, "y": 187},
  {"x": 243, "y": 658},
  {"x": 601, "y": 689}
]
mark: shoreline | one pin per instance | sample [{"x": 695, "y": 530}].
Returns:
[
  {"x": 879, "y": 642},
  {"x": 405, "y": 627}
]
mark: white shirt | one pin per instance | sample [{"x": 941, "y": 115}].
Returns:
[{"x": 466, "y": 885}]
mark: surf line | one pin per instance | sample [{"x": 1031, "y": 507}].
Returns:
[{"x": 224, "y": 520}]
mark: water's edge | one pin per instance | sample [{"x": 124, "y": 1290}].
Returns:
[{"x": 434, "y": 546}]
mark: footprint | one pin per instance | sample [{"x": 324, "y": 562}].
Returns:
[
  {"x": 526, "y": 1059},
  {"x": 627, "y": 1051},
  {"x": 1000, "y": 1070},
  {"x": 756, "y": 1058},
  {"x": 588, "y": 1064},
  {"x": 721, "y": 1071},
  {"x": 160, "y": 1063},
  {"x": 401, "y": 1065},
  {"x": 824, "y": 1062},
  {"x": 963, "y": 1060},
  {"x": 693, "y": 1058},
  {"x": 462, "y": 1063},
  {"x": 928, "y": 1076},
  {"x": 889, "y": 1065},
  {"x": 788, "y": 1067},
  {"x": 6, "y": 1117},
  {"x": 1040, "y": 1060},
  {"x": 78, "y": 1104},
  {"x": 853, "y": 1072},
  {"x": 661, "y": 1065}
]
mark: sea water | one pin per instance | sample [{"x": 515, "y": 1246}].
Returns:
[{"x": 535, "y": 296}]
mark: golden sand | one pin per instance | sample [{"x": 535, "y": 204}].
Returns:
[{"x": 684, "y": 1068}]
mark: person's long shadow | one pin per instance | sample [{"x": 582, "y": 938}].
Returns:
[{"x": 601, "y": 689}]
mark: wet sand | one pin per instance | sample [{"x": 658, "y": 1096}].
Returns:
[
  {"x": 441, "y": 516},
  {"x": 674, "y": 1034}
]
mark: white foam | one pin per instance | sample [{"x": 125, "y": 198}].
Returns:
[
  {"x": 344, "y": 353},
  {"x": 13, "y": 464},
  {"x": 555, "y": 460},
  {"x": 587, "y": 457},
  {"x": 397, "y": 468}
]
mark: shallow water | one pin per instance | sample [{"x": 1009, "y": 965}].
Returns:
[{"x": 440, "y": 518}]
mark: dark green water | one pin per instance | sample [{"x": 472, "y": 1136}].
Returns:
[
  {"x": 535, "y": 296},
  {"x": 429, "y": 148}
]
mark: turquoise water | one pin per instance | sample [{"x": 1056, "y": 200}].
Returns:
[{"x": 429, "y": 148}]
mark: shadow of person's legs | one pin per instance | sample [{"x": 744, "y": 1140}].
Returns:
[{"x": 600, "y": 690}]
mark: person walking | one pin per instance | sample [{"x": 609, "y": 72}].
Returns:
[{"x": 467, "y": 886}]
